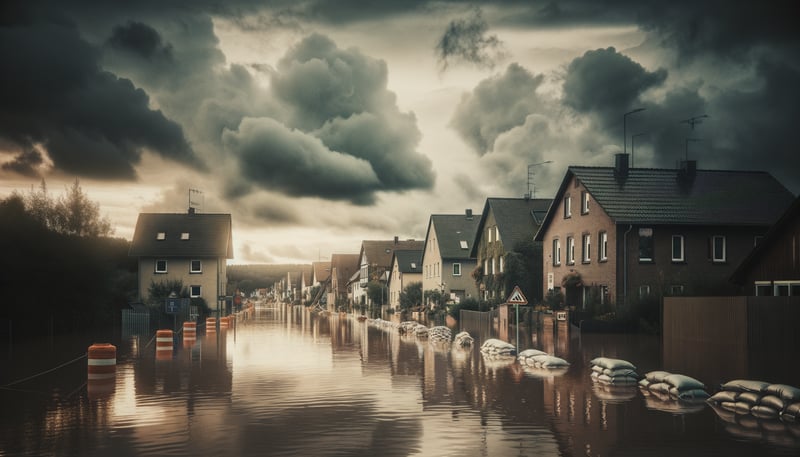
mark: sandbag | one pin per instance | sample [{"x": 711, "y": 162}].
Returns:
[
  {"x": 751, "y": 398},
  {"x": 724, "y": 396},
  {"x": 764, "y": 412},
  {"x": 746, "y": 385},
  {"x": 692, "y": 395},
  {"x": 612, "y": 364},
  {"x": 791, "y": 413},
  {"x": 683, "y": 382},
  {"x": 531, "y": 353},
  {"x": 620, "y": 372},
  {"x": 657, "y": 376},
  {"x": 660, "y": 387},
  {"x": 773, "y": 402},
  {"x": 788, "y": 394}
]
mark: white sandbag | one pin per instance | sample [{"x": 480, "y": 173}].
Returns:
[
  {"x": 644, "y": 384},
  {"x": 786, "y": 393},
  {"x": 612, "y": 364},
  {"x": 657, "y": 376},
  {"x": 621, "y": 372},
  {"x": 683, "y": 382},
  {"x": 463, "y": 339},
  {"x": 439, "y": 334},
  {"x": 660, "y": 387},
  {"x": 746, "y": 385},
  {"x": 724, "y": 396},
  {"x": 692, "y": 395},
  {"x": 531, "y": 353},
  {"x": 549, "y": 361}
]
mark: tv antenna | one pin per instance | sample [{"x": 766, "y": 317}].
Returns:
[{"x": 692, "y": 121}]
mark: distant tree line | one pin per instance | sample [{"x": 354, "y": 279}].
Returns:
[{"x": 60, "y": 270}]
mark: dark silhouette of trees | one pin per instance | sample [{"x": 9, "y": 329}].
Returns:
[{"x": 72, "y": 213}]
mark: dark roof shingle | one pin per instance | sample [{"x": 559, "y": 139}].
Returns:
[{"x": 209, "y": 235}]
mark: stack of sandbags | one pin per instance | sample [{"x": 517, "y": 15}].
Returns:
[
  {"x": 759, "y": 399},
  {"x": 540, "y": 359},
  {"x": 667, "y": 386},
  {"x": 439, "y": 334},
  {"x": 420, "y": 331},
  {"x": 406, "y": 327},
  {"x": 497, "y": 348},
  {"x": 463, "y": 340},
  {"x": 615, "y": 372}
]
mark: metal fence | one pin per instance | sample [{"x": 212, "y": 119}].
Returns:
[
  {"x": 476, "y": 322},
  {"x": 135, "y": 323}
]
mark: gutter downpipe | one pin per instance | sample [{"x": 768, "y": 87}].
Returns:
[{"x": 625, "y": 264}]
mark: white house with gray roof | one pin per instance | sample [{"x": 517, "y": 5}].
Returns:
[
  {"x": 446, "y": 261},
  {"x": 189, "y": 247}
]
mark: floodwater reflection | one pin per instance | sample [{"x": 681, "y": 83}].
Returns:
[{"x": 285, "y": 381}]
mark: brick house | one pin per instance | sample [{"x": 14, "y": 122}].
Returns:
[
  {"x": 504, "y": 223},
  {"x": 619, "y": 236},
  {"x": 190, "y": 247},
  {"x": 446, "y": 260},
  {"x": 406, "y": 269},
  {"x": 773, "y": 267}
]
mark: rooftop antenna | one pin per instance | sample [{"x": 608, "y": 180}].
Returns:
[
  {"x": 692, "y": 121},
  {"x": 531, "y": 187},
  {"x": 195, "y": 199}
]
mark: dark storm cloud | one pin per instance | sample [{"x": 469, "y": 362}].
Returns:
[
  {"x": 90, "y": 122},
  {"x": 607, "y": 82},
  {"x": 140, "y": 39},
  {"x": 25, "y": 163},
  {"x": 467, "y": 40},
  {"x": 343, "y": 137},
  {"x": 496, "y": 105},
  {"x": 277, "y": 158}
]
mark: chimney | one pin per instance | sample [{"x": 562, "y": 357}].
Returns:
[
  {"x": 621, "y": 166},
  {"x": 687, "y": 171},
  {"x": 396, "y": 240},
  {"x": 469, "y": 214},
  {"x": 191, "y": 210}
]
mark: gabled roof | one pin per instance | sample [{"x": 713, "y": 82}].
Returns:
[
  {"x": 379, "y": 252},
  {"x": 345, "y": 265},
  {"x": 408, "y": 261},
  {"x": 451, "y": 231},
  {"x": 209, "y": 235},
  {"x": 517, "y": 219},
  {"x": 656, "y": 196},
  {"x": 321, "y": 270},
  {"x": 774, "y": 233}
]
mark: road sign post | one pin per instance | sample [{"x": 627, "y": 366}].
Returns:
[{"x": 517, "y": 298}]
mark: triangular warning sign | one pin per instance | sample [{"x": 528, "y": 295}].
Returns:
[{"x": 516, "y": 297}]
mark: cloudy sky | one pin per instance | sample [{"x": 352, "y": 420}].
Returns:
[{"x": 318, "y": 124}]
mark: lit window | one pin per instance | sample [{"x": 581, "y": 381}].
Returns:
[
  {"x": 161, "y": 236},
  {"x": 603, "y": 246},
  {"x": 196, "y": 267},
  {"x": 677, "y": 248},
  {"x": 501, "y": 264},
  {"x": 456, "y": 269},
  {"x": 570, "y": 250},
  {"x": 644, "y": 291},
  {"x": 489, "y": 234},
  {"x": 645, "y": 245},
  {"x": 567, "y": 206},
  {"x": 587, "y": 248},
  {"x": 584, "y": 202},
  {"x": 464, "y": 244},
  {"x": 493, "y": 265},
  {"x": 718, "y": 248},
  {"x": 496, "y": 233},
  {"x": 556, "y": 252},
  {"x": 414, "y": 265},
  {"x": 161, "y": 266},
  {"x": 194, "y": 291},
  {"x": 185, "y": 235}
]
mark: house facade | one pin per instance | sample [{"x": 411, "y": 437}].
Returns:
[
  {"x": 406, "y": 269},
  {"x": 375, "y": 260},
  {"x": 616, "y": 235},
  {"x": 505, "y": 225},
  {"x": 342, "y": 268},
  {"x": 192, "y": 248},
  {"x": 773, "y": 267},
  {"x": 447, "y": 264}
]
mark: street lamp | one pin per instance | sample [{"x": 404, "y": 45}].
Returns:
[
  {"x": 624, "y": 131},
  {"x": 530, "y": 177}
]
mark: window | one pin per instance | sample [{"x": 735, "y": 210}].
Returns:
[
  {"x": 567, "y": 207},
  {"x": 161, "y": 236},
  {"x": 677, "y": 248},
  {"x": 185, "y": 235},
  {"x": 644, "y": 291},
  {"x": 587, "y": 248},
  {"x": 486, "y": 266},
  {"x": 570, "y": 250},
  {"x": 556, "y": 252},
  {"x": 493, "y": 264},
  {"x": 603, "y": 246},
  {"x": 161, "y": 266},
  {"x": 414, "y": 265},
  {"x": 718, "y": 248},
  {"x": 787, "y": 288},
  {"x": 676, "y": 290},
  {"x": 645, "y": 245},
  {"x": 763, "y": 289},
  {"x": 584, "y": 202},
  {"x": 464, "y": 244},
  {"x": 196, "y": 267},
  {"x": 496, "y": 233},
  {"x": 488, "y": 234},
  {"x": 194, "y": 291},
  {"x": 456, "y": 269},
  {"x": 501, "y": 264}
]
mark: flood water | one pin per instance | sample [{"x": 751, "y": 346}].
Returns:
[{"x": 289, "y": 382}]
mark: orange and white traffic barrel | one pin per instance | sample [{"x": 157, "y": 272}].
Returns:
[
  {"x": 223, "y": 323},
  {"x": 102, "y": 370},
  {"x": 164, "y": 344},
  {"x": 211, "y": 325}
]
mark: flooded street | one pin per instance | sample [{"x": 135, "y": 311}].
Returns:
[{"x": 289, "y": 382}]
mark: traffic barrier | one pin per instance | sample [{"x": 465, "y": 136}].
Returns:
[
  {"x": 223, "y": 323},
  {"x": 164, "y": 344},
  {"x": 211, "y": 325},
  {"x": 189, "y": 334},
  {"x": 102, "y": 370}
]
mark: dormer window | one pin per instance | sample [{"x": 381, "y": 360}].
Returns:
[
  {"x": 161, "y": 236},
  {"x": 464, "y": 244},
  {"x": 414, "y": 265},
  {"x": 184, "y": 235}
]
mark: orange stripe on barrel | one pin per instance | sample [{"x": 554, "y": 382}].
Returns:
[
  {"x": 102, "y": 361},
  {"x": 164, "y": 344}
]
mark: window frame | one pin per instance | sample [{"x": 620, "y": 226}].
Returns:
[
  {"x": 682, "y": 257},
  {"x": 160, "y": 271},
  {"x": 567, "y": 206},
  {"x": 714, "y": 257},
  {"x": 602, "y": 253},
  {"x": 644, "y": 291},
  {"x": 199, "y": 268},
  {"x": 570, "y": 250},
  {"x": 456, "y": 266},
  {"x": 651, "y": 246},
  {"x": 584, "y": 202},
  {"x": 199, "y": 290},
  {"x": 586, "y": 246},
  {"x": 556, "y": 252}
]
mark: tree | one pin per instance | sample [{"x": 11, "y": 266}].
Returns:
[
  {"x": 73, "y": 213},
  {"x": 376, "y": 292},
  {"x": 411, "y": 296}
]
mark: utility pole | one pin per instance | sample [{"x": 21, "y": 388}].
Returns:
[
  {"x": 531, "y": 187},
  {"x": 624, "y": 129}
]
